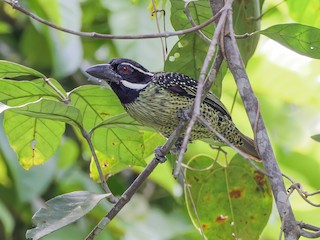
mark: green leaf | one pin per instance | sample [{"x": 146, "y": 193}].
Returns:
[
  {"x": 151, "y": 141},
  {"x": 120, "y": 138},
  {"x": 122, "y": 120},
  {"x": 246, "y": 20},
  {"x": 137, "y": 151},
  {"x": 316, "y": 137},
  {"x": 34, "y": 140},
  {"x": 24, "y": 91},
  {"x": 95, "y": 104},
  {"x": 231, "y": 202},
  {"x": 61, "y": 211},
  {"x": 187, "y": 57},
  {"x": 188, "y": 54},
  {"x": 4, "y": 176},
  {"x": 297, "y": 37},
  {"x": 41, "y": 136},
  {"x": 109, "y": 166},
  {"x": 49, "y": 109},
  {"x": 13, "y": 70},
  {"x": 199, "y": 10}
]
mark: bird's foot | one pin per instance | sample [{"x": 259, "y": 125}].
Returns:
[
  {"x": 159, "y": 155},
  {"x": 184, "y": 114}
]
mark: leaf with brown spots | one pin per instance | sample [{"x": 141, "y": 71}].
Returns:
[{"x": 226, "y": 198}]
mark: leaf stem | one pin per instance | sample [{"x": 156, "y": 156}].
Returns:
[
  {"x": 62, "y": 96},
  {"x": 104, "y": 184}
]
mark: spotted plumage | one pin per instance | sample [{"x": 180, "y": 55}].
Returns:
[{"x": 155, "y": 100}]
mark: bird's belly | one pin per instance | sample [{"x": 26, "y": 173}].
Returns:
[
  {"x": 160, "y": 110},
  {"x": 157, "y": 110}
]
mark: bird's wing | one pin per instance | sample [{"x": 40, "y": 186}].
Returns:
[{"x": 186, "y": 86}]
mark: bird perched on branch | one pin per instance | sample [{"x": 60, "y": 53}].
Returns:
[{"x": 155, "y": 99}]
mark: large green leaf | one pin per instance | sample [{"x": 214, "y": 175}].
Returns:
[
  {"x": 95, "y": 104},
  {"x": 300, "y": 38},
  {"x": 231, "y": 202},
  {"x": 189, "y": 52},
  {"x": 109, "y": 166},
  {"x": 246, "y": 20},
  {"x": 199, "y": 10},
  {"x": 143, "y": 148},
  {"x": 48, "y": 109},
  {"x": 13, "y": 70},
  {"x": 24, "y": 91},
  {"x": 120, "y": 137},
  {"x": 31, "y": 131},
  {"x": 116, "y": 135},
  {"x": 34, "y": 140}
]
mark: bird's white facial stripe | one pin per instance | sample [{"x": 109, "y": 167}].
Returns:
[
  {"x": 138, "y": 69},
  {"x": 136, "y": 86}
]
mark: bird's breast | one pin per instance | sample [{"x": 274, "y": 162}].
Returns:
[{"x": 158, "y": 108}]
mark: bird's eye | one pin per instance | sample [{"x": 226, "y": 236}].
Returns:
[{"x": 125, "y": 69}]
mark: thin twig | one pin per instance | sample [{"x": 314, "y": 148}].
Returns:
[
  {"x": 18, "y": 7},
  {"x": 163, "y": 43},
  {"x": 308, "y": 234},
  {"x": 187, "y": 187},
  {"x": 104, "y": 184},
  {"x": 127, "y": 195},
  {"x": 193, "y": 24},
  {"x": 304, "y": 195}
]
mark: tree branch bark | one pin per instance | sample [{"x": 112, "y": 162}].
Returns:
[{"x": 232, "y": 54}]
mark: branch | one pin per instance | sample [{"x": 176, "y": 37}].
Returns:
[
  {"x": 187, "y": 12},
  {"x": 17, "y": 6},
  {"x": 236, "y": 66},
  {"x": 200, "y": 95},
  {"x": 308, "y": 234},
  {"x": 127, "y": 195}
]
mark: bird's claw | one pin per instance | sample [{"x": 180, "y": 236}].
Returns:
[
  {"x": 184, "y": 114},
  {"x": 159, "y": 154}
]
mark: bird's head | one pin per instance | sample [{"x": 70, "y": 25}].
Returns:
[{"x": 126, "y": 77}]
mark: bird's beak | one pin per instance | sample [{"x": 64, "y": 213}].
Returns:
[{"x": 102, "y": 73}]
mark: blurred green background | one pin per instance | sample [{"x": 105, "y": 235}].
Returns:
[{"x": 286, "y": 84}]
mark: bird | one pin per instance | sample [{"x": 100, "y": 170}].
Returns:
[{"x": 155, "y": 99}]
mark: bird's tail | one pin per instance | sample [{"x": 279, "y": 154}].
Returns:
[{"x": 249, "y": 148}]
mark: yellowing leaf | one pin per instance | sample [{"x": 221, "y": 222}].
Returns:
[{"x": 34, "y": 140}]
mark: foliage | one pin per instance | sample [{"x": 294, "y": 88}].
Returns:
[{"x": 48, "y": 121}]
